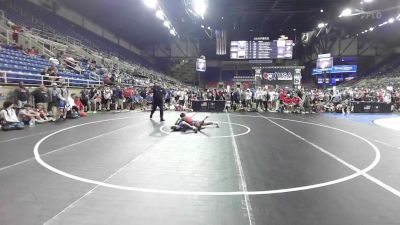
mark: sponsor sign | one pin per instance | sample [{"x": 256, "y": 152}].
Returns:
[
  {"x": 280, "y": 76},
  {"x": 337, "y": 69}
]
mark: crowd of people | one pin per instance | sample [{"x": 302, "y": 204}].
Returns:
[
  {"x": 310, "y": 101},
  {"x": 57, "y": 102}
]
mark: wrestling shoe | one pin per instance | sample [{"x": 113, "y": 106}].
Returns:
[
  {"x": 217, "y": 124},
  {"x": 195, "y": 130}
]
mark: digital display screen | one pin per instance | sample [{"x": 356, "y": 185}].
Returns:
[
  {"x": 325, "y": 63},
  {"x": 278, "y": 49},
  {"x": 201, "y": 65}
]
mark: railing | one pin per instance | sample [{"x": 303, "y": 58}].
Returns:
[
  {"x": 49, "y": 41},
  {"x": 7, "y": 77}
]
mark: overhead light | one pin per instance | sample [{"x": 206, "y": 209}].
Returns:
[
  {"x": 368, "y": 1},
  {"x": 209, "y": 28},
  {"x": 391, "y": 20},
  {"x": 172, "y": 32},
  {"x": 152, "y": 4},
  {"x": 371, "y": 28},
  {"x": 200, "y": 7},
  {"x": 346, "y": 12},
  {"x": 398, "y": 17},
  {"x": 167, "y": 23},
  {"x": 202, "y": 26},
  {"x": 160, "y": 14},
  {"x": 322, "y": 25},
  {"x": 365, "y": 31},
  {"x": 321, "y": 10}
]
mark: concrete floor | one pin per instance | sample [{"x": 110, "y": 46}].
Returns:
[{"x": 255, "y": 169}]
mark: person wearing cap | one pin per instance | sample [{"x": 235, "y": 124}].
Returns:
[{"x": 9, "y": 119}]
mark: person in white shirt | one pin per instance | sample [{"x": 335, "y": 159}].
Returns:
[
  {"x": 272, "y": 101},
  {"x": 248, "y": 98},
  {"x": 259, "y": 98},
  {"x": 107, "y": 93},
  {"x": 9, "y": 119}
]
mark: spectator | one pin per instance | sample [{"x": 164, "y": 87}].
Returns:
[
  {"x": 9, "y": 119},
  {"x": 107, "y": 94},
  {"x": 95, "y": 98},
  {"x": 29, "y": 116},
  {"x": 258, "y": 97},
  {"x": 41, "y": 95},
  {"x": 80, "y": 106},
  {"x": 128, "y": 96},
  {"x": 63, "y": 96},
  {"x": 119, "y": 98},
  {"x": 53, "y": 73},
  {"x": 85, "y": 98},
  {"x": 21, "y": 95},
  {"x": 42, "y": 110},
  {"x": 54, "y": 101}
]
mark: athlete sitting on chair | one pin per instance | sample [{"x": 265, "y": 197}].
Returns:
[{"x": 186, "y": 122}]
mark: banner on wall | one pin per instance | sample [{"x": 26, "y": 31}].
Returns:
[
  {"x": 338, "y": 69},
  {"x": 280, "y": 76}
]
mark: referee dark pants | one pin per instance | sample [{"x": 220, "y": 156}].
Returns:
[{"x": 154, "y": 106}]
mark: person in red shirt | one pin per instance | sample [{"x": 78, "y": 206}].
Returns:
[
  {"x": 80, "y": 106},
  {"x": 187, "y": 122},
  {"x": 128, "y": 94}
]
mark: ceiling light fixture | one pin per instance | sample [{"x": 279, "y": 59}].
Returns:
[
  {"x": 322, "y": 25},
  {"x": 152, "y": 4},
  {"x": 346, "y": 12},
  {"x": 160, "y": 14},
  {"x": 391, "y": 20},
  {"x": 167, "y": 24},
  {"x": 200, "y": 7}
]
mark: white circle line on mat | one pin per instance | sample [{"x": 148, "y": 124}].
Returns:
[{"x": 209, "y": 193}]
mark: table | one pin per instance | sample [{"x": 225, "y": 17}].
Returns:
[
  {"x": 208, "y": 106},
  {"x": 372, "y": 107}
]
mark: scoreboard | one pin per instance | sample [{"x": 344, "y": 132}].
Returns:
[{"x": 277, "y": 49}]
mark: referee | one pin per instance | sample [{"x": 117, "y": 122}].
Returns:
[{"x": 158, "y": 101}]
